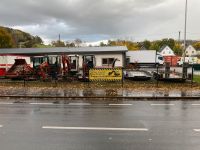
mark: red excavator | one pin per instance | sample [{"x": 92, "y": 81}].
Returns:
[
  {"x": 70, "y": 66},
  {"x": 47, "y": 67},
  {"x": 88, "y": 63},
  {"x": 56, "y": 66}
]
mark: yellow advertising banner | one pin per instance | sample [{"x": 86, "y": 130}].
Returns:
[{"x": 105, "y": 74}]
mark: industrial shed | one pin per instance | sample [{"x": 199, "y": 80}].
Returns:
[{"x": 103, "y": 55}]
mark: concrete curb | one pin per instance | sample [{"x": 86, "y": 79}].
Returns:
[{"x": 173, "y": 98}]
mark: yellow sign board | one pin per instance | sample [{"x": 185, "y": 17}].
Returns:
[{"x": 105, "y": 74}]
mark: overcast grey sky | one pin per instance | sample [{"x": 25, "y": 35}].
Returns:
[{"x": 93, "y": 20}]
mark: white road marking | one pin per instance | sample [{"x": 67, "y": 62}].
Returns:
[
  {"x": 162, "y": 104},
  {"x": 41, "y": 103},
  {"x": 195, "y": 104},
  {"x": 1, "y": 126},
  {"x": 196, "y": 130},
  {"x": 6, "y": 103},
  {"x": 120, "y": 104},
  {"x": 95, "y": 128},
  {"x": 80, "y": 104}
]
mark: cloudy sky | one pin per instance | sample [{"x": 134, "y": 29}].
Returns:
[{"x": 93, "y": 20}]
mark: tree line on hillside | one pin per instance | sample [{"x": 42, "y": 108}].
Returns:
[
  {"x": 148, "y": 45},
  {"x": 176, "y": 46},
  {"x": 12, "y": 38}
]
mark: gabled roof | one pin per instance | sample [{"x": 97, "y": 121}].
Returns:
[
  {"x": 62, "y": 50},
  {"x": 191, "y": 47},
  {"x": 163, "y": 47}
]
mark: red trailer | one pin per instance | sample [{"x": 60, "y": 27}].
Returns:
[
  {"x": 19, "y": 70},
  {"x": 172, "y": 60}
]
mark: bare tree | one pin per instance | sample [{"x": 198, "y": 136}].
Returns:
[{"x": 78, "y": 42}]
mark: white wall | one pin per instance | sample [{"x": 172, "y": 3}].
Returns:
[{"x": 99, "y": 58}]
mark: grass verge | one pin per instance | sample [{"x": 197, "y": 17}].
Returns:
[{"x": 196, "y": 78}]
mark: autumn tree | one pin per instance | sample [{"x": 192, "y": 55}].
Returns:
[
  {"x": 69, "y": 44},
  {"x": 156, "y": 45},
  {"x": 78, "y": 42},
  {"x": 145, "y": 44},
  {"x": 178, "y": 49},
  {"x": 102, "y": 44},
  {"x": 170, "y": 42},
  {"x": 129, "y": 44},
  {"x": 196, "y": 45},
  {"x": 58, "y": 43},
  {"x": 37, "y": 40},
  {"x": 5, "y": 39}
]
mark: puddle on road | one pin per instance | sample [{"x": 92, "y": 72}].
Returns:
[{"x": 60, "y": 92}]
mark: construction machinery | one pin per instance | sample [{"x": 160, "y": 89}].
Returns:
[
  {"x": 49, "y": 67},
  {"x": 88, "y": 63},
  {"x": 19, "y": 70},
  {"x": 41, "y": 67},
  {"x": 56, "y": 66},
  {"x": 70, "y": 67}
]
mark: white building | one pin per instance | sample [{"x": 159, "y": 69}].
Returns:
[
  {"x": 166, "y": 51},
  {"x": 104, "y": 56},
  {"x": 190, "y": 51}
]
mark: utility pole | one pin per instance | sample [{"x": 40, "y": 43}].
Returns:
[
  {"x": 59, "y": 40},
  {"x": 179, "y": 36},
  {"x": 179, "y": 40},
  {"x": 185, "y": 36},
  {"x": 185, "y": 30}
]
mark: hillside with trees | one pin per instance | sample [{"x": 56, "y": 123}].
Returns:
[{"x": 13, "y": 38}]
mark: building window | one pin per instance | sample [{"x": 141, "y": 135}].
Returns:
[
  {"x": 107, "y": 61},
  {"x": 192, "y": 52}
]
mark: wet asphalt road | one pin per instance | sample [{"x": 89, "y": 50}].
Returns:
[{"x": 127, "y": 125}]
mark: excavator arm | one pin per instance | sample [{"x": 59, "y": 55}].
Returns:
[{"x": 66, "y": 64}]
